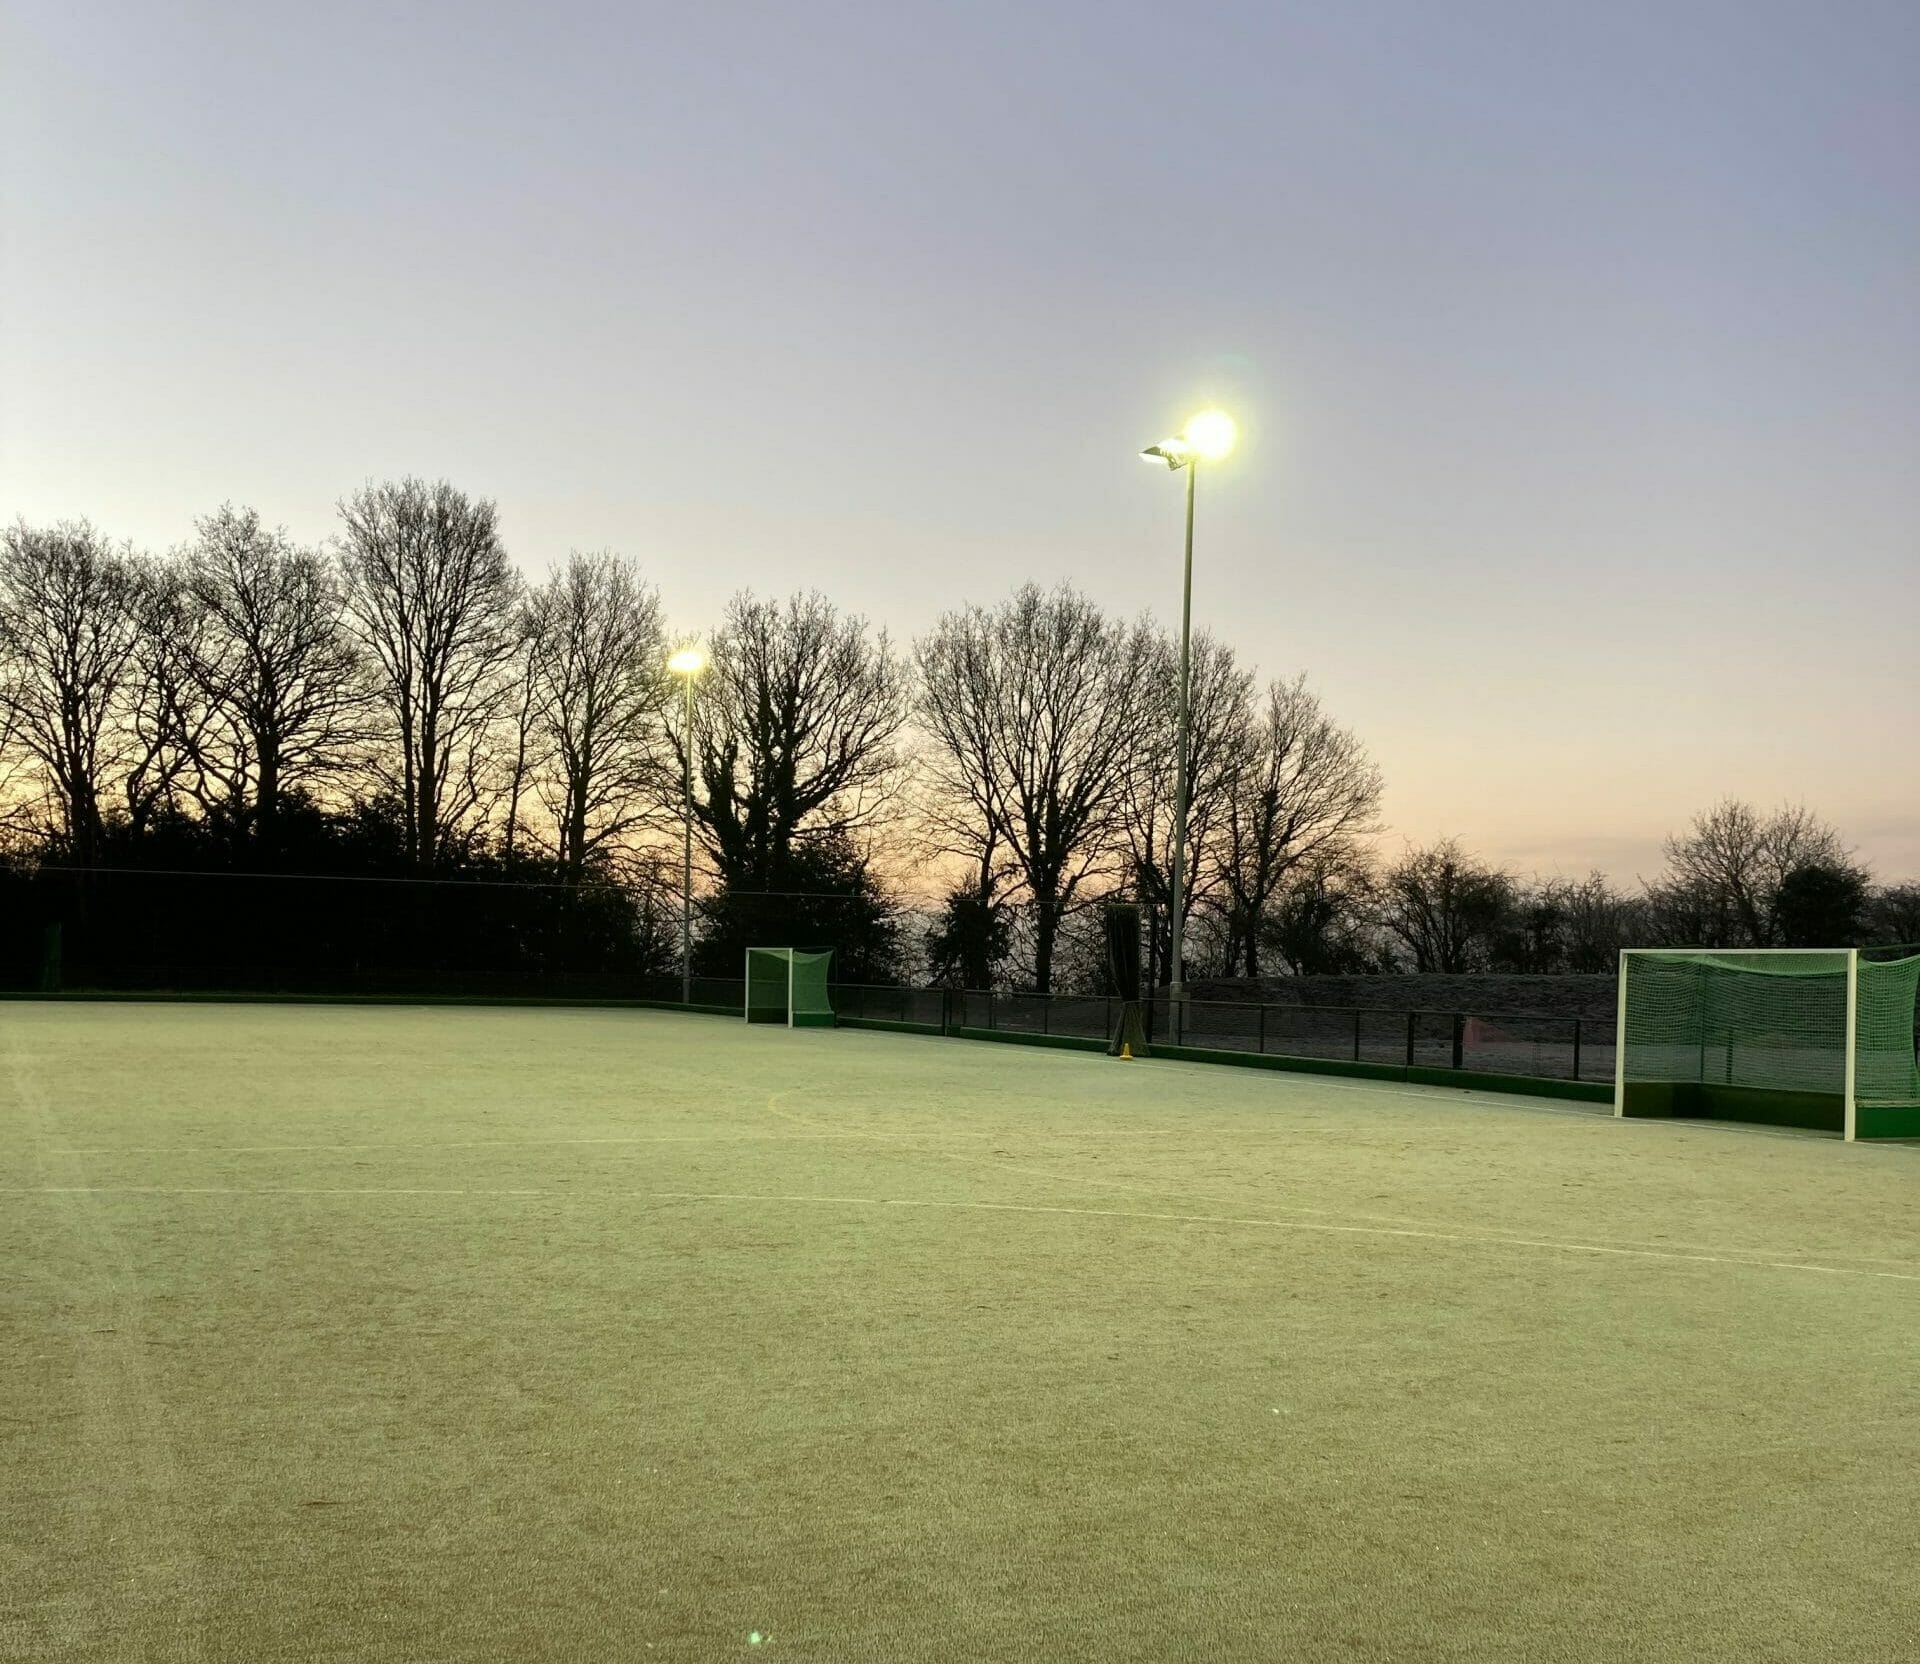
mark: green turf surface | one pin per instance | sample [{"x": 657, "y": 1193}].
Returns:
[{"x": 453, "y": 1334}]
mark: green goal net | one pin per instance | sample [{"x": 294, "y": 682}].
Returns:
[
  {"x": 1815, "y": 1037},
  {"x": 789, "y": 985},
  {"x": 1886, "y": 1071}
]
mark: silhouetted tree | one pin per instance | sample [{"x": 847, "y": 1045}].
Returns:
[
  {"x": 1724, "y": 873},
  {"x": 69, "y": 629},
  {"x": 1444, "y": 907},
  {"x": 970, "y": 940},
  {"x": 1320, "y": 919},
  {"x": 598, "y": 687},
  {"x": 962, "y": 803},
  {"x": 1307, "y": 795},
  {"x": 431, "y": 594},
  {"x": 797, "y": 720},
  {"x": 285, "y": 688},
  {"x": 831, "y": 899},
  {"x": 1595, "y": 923},
  {"x": 1893, "y": 915},
  {"x": 1222, "y": 747},
  {"x": 1530, "y": 937},
  {"x": 1038, "y": 709},
  {"x": 169, "y": 724},
  {"x": 1820, "y": 906}
]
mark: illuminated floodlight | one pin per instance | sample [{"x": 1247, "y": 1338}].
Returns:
[
  {"x": 1211, "y": 434},
  {"x": 1208, "y": 437},
  {"x": 689, "y": 661}
]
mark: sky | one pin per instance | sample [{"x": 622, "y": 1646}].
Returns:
[{"x": 1575, "y": 349}]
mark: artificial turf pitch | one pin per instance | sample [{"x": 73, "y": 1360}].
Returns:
[{"x": 449, "y": 1334}]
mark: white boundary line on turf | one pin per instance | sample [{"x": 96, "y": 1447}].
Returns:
[
  {"x": 1524, "y": 1102},
  {"x": 1476, "y": 1238},
  {"x": 265, "y": 1190},
  {"x": 452, "y": 1144},
  {"x": 1299, "y": 1225},
  {"x": 638, "y": 1138},
  {"x": 1201, "y": 1194},
  {"x": 261, "y": 1190}
]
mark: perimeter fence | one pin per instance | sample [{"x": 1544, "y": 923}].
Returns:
[
  {"x": 280, "y": 935},
  {"x": 1498, "y": 1043}
]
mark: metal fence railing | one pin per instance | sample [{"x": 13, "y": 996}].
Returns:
[{"x": 1545, "y": 1047}]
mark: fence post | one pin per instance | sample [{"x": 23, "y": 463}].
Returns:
[
  {"x": 1106, "y": 1012},
  {"x": 1459, "y": 1040},
  {"x": 1413, "y": 1018},
  {"x": 1356, "y": 1034},
  {"x": 1263, "y": 1028},
  {"x": 1576, "y": 1048},
  {"x": 1046, "y": 1013},
  {"x": 993, "y": 1012}
]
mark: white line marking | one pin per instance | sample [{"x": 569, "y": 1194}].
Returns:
[
  {"x": 1166, "y": 1187},
  {"x": 1294, "y": 1225},
  {"x": 1007, "y": 1207},
  {"x": 251, "y": 1190},
  {"x": 648, "y": 1138}
]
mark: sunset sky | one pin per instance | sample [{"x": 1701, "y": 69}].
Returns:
[{"x": 1576, "y": 348}]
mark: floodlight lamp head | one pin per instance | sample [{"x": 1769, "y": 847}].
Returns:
[
  {"x": 1210, "y": 435},
  {"x": 689, "y": 661},
  {"x": 1175, "y": 453}
]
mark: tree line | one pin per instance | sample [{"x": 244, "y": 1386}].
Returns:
[{"x": 402, "y": 704}]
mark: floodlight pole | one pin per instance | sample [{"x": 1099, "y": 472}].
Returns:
[
  {"x": 1177, "y": 983},
  {"x": 686, "y": 856}
]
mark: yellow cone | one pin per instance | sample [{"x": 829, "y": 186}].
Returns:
[{"x": 1126, "y": 1052}]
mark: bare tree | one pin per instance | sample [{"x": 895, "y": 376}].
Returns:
[
  {"x": 273, "y": 659},
  {"x": 964, "y": 804},
  {"x": 431, "y": 593},
  {"x": 598, "y": 690},
  {"x": 529, "y": 747},
  {"x": 169, "y": 724},
  {"x": 1596, "y": 922},
  {"x": 1321, "y": 920},
  {"x": 1036, "y": 710},
  {"x": 1221, "y": 748},
  {"x": 1307, "y": 795},
  {"x": 1724, "y": 873},
  {"x": 69, "y": 628},
  {"x": 1893, "y": 915},
  {"x": 795, "y": 740},
  {"x": 15, "y": 814},
  {"x": 1445, "y": 907}
]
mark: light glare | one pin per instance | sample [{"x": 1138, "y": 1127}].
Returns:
[
  {"x": 689, "y": 661},
  {"x": 1211, "y": 434}
]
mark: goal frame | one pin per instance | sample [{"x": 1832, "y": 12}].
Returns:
[
  {"x": 1849, "y": 1105},
  {"x": 811, "y": 1017}
]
